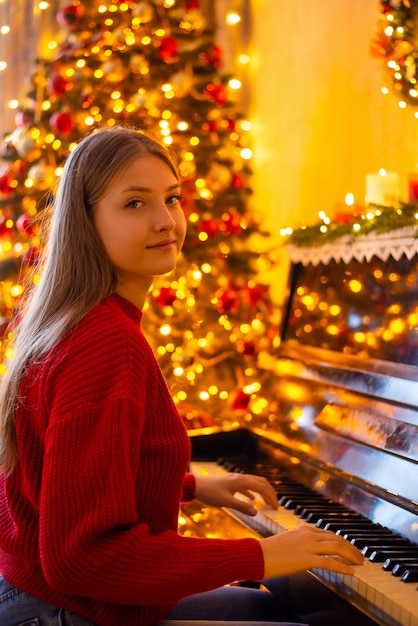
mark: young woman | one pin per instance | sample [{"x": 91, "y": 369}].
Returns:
[{"x": 92, "y": 450}]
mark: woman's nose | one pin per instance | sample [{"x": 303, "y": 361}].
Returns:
[{"x": 164, "y": 219}]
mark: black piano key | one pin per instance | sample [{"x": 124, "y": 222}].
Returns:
[
  {"x": 410, "y": 576},
  {"x": 361, "y": 533},
  {"x": 327, "y": 505},
  {"x": 346, "y": 526},
  {"x": 315, "y": 503},
  {"x": 400, "y": 568},
  {"x": 321, "y": 502},
  {"x": 325, "y": 522},
  {"x": 365, "y": 528},
  {"x": 389, "y": 564},
  {"x": 313, "y": 516},
  {"x": 376, "y": 542},
  {"x": 342, "y": 526},
  {"x": 292, "y": 493},
  {"x": 359, "y": 523},
  {"x": 288, "y": 503},
  {"x": 287, "y": 491},
  {"x": 291, "y": 502},
  {"x": 379, "y": 555},
  {"x": 375, "y": 531},
  {"x": 358, "y": 534}
]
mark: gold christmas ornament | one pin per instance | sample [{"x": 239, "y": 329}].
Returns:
[
  {"x": 144, "y": 12},
  {"x": 42, "y": 174}
]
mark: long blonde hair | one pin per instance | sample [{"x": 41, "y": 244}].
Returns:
[{"x": 76, "y": 272}]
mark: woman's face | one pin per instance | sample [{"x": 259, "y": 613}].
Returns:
[{"x": 141, "y": 224}]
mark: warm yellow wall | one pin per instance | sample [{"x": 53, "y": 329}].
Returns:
[{"x": 320, "y": 120}]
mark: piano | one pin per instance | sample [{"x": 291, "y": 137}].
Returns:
[{"x": 340, "y": 441}]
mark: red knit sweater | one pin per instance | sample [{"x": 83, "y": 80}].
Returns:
[{"x": 88, "y": 519}]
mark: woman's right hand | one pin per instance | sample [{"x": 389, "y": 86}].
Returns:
[{"x": 307, "y": 547}]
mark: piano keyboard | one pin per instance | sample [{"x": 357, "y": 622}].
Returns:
[{"x": 383, "y": 587}]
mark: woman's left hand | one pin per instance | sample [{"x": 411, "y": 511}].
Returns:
[{"x": 220, "y": 491}]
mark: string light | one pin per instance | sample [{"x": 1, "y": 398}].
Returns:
[
  {"x": 394, "y": 43},
  {"x": 233, "y": 18}
]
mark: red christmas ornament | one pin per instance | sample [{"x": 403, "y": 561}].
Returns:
[
  {"x": 57, "y": 85},
  {"x": 237, "y": 181},
  {"x": 23, "y": 119},
  {"x": 5, "y": 187},
  {"x": 213, "y": 56},
  {"x": 229, "y": 124},
  {"x": 253, "y": 295},
  {"x": 4, "y": 228},
  {"x": 166, "y": 297},
  {"x": 210, "y": 227},
  {"x": 19, "y": 167},
  {"x": 239, "y": 400},
  {"x": 227, "y": 301},
  {"x": 247, "y": 348},
  {"x": 192, "y": 4},
  {"x": 168, "y": 48},
  {"x": 86, "y": 100},
  {"x": 216, "y": 93},
  {"x": 210, "y": 126},
  {"x": 231, "y": 223},
  {"x": 61, "y": 123},
  {"x": 25, "y": 225},
  {"x": 68, "y": 17}
]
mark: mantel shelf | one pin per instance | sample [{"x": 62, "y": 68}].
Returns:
[{"x": 359, "y": 247}]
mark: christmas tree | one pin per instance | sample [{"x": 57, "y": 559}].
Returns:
[{"x": 155, "y": 66}]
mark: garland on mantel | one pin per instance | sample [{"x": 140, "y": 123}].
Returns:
[
  {"x": 395, "y": 42},
  {"x": 375, "y": 219}
]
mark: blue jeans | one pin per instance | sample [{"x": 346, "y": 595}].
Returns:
[
  {"x": 18, "y": 608},
  {"x": 232, "y": 606}
]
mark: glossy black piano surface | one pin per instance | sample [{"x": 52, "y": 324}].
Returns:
[{"x": 342, "y": 427}]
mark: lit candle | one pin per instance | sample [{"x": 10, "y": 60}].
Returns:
[
  {"x": 347, "y": 211},
  {"x": 382, "y": 188}
]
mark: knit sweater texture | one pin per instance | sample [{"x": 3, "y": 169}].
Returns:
[{"x": 88, "y": 518}]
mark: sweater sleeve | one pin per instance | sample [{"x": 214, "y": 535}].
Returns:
[
  {"x": 91, "y": 540},
  {"x": 189, "y": 488}
]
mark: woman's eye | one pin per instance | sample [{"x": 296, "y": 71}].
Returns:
[
  {"x": 174, "y": 199},
  {"x": 134, "y": 204}
]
